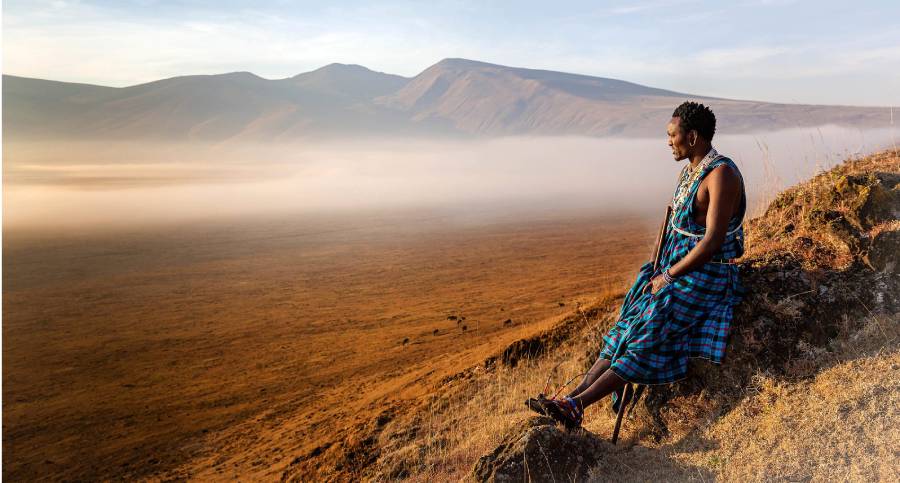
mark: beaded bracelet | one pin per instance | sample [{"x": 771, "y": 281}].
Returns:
[{"x": 668, "y": 277}]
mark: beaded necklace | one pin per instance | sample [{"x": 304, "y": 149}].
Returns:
[{"x": 689, "y": 176}]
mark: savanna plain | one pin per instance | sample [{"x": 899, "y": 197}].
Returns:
[{"x": 233, "y": 347}]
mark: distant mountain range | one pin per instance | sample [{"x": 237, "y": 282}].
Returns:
[{"x": 454, "y": 97}]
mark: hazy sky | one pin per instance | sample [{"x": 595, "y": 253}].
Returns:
[{"x": 826, "y": 52}]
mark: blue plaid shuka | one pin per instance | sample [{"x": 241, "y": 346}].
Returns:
[{"x": 656, "y": 334}]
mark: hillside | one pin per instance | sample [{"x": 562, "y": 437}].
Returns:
[
  {"x": 454, "y": 97},
  {"x": 808, "y": 391}
]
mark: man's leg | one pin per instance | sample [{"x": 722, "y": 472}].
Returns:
[
  {"x": 597, "y": 369},
  {"x": 602, "y": 387}
]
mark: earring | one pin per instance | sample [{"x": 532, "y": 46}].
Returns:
[{"x": 695, "y": 142}]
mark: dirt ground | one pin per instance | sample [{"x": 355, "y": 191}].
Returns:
[{"x": 227, "y": 349}]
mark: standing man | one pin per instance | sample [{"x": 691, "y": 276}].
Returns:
[{"x": 684, "y": 308}]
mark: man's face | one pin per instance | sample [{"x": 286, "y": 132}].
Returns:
[{"x": 678, "y": 140}]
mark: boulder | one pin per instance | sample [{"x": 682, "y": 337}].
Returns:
[
  {"x": 884, "y": 251},
  {"x": 537, "y": 449}
]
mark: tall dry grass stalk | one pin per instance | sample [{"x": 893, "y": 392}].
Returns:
[
  {"x": 893, "y": 140},
  {"x": 772, "y": 184}
]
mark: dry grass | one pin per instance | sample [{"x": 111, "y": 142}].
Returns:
[
  {"x": 843, "y": 425},
  {"x": 813, "y": 221}
]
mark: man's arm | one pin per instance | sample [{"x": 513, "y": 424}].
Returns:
[{"x": 723, "y": 187}]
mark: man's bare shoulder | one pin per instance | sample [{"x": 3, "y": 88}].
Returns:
[{"x": 723, "y": 175}]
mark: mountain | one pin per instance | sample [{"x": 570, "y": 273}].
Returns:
[
  {"x": 454, "y": 97},
  {"x": 351, "y": 82},
  {"x": 478, "y": 97},
  {"x": 482, "y": 98},
  {"x": 205, "y": 107}
]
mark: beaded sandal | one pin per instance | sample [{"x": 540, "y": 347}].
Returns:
[
  {"x": 565, "y": 411},
  {"x": 538, "y": 404}
]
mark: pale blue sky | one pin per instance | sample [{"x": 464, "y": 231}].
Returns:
[{"x": 823, "y": 52}]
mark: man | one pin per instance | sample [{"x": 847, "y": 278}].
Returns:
[{"x": 684, "y": 308}]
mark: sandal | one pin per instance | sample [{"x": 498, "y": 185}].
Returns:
[
  {"x": 565, "y": 411},
  {"x": 537, "y": 404}
]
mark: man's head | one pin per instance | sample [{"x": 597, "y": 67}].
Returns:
[{"x": 691, "y": 130}]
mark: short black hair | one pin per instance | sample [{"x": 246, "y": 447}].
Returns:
[{"x": 694, "y": 115}]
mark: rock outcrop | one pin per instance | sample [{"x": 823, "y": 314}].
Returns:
[{"x": 538, "y": 450}]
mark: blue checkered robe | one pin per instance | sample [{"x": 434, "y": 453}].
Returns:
[{"x": 656, "y": 334}]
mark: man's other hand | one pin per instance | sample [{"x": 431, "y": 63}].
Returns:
[{"x": 655, "y": 284}]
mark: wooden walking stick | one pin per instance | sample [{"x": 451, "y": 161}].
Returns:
[
  {"x": 661, "y": 238},
  {"x": 628, "y": 390}
]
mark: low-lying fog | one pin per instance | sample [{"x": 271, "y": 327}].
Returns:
[{"x": 49, "y": 185}]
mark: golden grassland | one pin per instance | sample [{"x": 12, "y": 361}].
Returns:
[{"x": 224, "y": 350}]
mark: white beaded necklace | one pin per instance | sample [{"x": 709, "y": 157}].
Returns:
[{"x": 689, "y": 176}]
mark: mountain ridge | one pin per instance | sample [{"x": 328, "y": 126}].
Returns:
[{"x": 454, "y": 97}]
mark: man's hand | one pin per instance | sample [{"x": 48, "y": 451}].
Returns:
[{"x": 655, "y": 284}]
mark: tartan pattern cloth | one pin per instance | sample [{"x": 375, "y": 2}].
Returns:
[{"x": 656, "y": 334}]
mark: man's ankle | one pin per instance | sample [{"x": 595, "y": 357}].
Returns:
[
  {"x": 578, "y": 390},
  {"x": 579, "y": 402}
]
